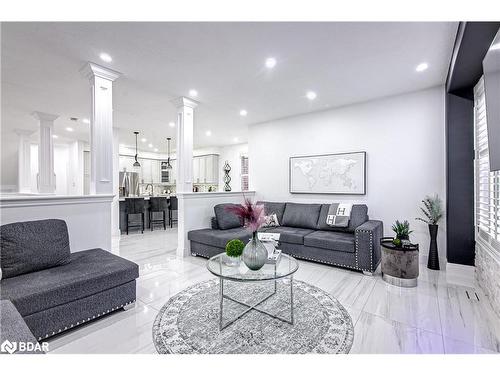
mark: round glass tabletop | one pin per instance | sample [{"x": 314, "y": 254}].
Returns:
[{"x": 218, "y": 265}]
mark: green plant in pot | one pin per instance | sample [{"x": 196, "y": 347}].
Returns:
[
  {"x": 433, "y": 212},
  {"x": 234, "y": 249},
  {"x": 402, "y": 230}
]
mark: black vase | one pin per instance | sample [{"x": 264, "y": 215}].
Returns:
[{"x": 433, "y": 262}]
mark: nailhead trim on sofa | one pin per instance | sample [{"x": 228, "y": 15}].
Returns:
[{"x": 85, "y": 320}]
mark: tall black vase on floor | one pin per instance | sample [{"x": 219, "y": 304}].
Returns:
[{"x": 433, "y": 262}]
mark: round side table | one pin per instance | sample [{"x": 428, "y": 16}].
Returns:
[{"x": 399, "y": 264}]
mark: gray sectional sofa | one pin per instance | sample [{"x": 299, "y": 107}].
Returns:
[
  {"x": 53, "y": 289},
  {"x": 304, "y": 235}
]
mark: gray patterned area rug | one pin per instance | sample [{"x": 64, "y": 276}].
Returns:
[{"x": 189, "y": 322}]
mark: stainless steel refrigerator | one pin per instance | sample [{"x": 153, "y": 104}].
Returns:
[{"x": 129, "y": 184}]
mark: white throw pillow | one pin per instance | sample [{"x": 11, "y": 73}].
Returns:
[{"x": 271, "y": 221}]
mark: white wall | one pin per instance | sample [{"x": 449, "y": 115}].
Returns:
[
  {"x": 9, "y": 161},
  {"x": 233, "y": 155},
  {"x": 88, "y": 217},
  {"x": 404, "y": 140}
]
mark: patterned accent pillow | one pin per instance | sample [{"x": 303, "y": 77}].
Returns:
[{"x": 271, "y": 221}]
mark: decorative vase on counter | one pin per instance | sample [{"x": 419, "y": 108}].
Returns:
[
  {"x": 433, "y": 262},
  {"x": 255, "y": 253}
]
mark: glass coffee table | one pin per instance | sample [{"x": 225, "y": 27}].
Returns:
[{"x": 284, "y": 268}]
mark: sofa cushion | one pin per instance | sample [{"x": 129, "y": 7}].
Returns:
[
  {"x": 89, "y": 272},
  {"x": 14, "y": 328},
  {"x": 359, "y": 215},
  {"x": 290, "y": 234},
  {"x": 331, "y": 241},
  {"x": 270, "y": 208},
  {"x": 33, "y": 245},
  {"x": 226, "y": 219},
  {"x": 219, "y": 238},
  {"x": 300, "y": 215}
]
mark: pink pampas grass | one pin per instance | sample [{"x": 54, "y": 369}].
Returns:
[{"x": 252, "y": 214}]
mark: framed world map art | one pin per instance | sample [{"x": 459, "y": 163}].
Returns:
[{"x": 328, "y": 174}]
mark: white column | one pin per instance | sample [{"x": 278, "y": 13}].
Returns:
[
  {"x": 101, "y": 127},
  {"x": 184, "y": 153},
  {"x": 46, "y": 176},
  {"x": 115, "y": 206},
  {"x": 24, "y": 161},
  {"x": 184, "y": 147}
]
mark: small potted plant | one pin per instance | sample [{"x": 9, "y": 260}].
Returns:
[
  {"x": 234, "y": 249},
  {"x": 402, "y": 230},
  {"x": 433, "y": 212}
]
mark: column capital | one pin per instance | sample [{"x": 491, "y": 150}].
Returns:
[
  {"x": 91, "y": 70},
  {"x": 182, "y": 101},
  {"x": 42, "y": 116}
]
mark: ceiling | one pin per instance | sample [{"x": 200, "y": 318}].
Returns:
[{"x": 343, "y": 63}]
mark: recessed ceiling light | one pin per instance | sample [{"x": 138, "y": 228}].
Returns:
[
  {"x": 86, "y": 121},
  {"x": 270, "y": 62},
  {"x": 235, "y": 139},
  {"x": 69, "y": 129},
  {"x": 193, "y": 93},
  {"x": 421, "y": 67},
  {"x": 156, "y": 150},
  {"x": 105, "y": 57},
  {"x": 55, "y": 136},
  {"x": 208, "y": 133},
  {"x": 150, "y": 145},
  {"x": 311, "y": 95},
  {"x": 243, "y": 112},
  {"x": 143, "y": 140},
  {"x": 171, "y": 124}
]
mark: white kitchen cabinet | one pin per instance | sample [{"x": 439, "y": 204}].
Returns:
[
  {"x": 212, "y": 169},
  {"x": 155, "y": 171},
  {"x": 126, "y": 163},
  {"x": 206, "y": 169},
  {"x": 173, "y": 172},
  {"x": 145, "y": 174},
  {"x": 196, "y": 169},
  {"x": 203, "y": 170}
]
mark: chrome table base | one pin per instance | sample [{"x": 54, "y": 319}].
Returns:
[{"x": 255, "y": 307}]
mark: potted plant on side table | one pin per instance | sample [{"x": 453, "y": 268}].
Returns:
[
  {"x": 433, "y": 211},
  {"x": 402, "y": 230},
  {"x": 400, "y": 257}
]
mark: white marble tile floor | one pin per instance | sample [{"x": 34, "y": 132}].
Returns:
[{"x": 435, "y": 317}]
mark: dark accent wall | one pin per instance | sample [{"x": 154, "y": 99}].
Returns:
[
  {"x": 471, "y": 44},
  {"x": 460, "y": 179}
]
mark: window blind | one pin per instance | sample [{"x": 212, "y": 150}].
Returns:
[
  {"x": 244, "y": 173},
  {"x": 487, "y": 184}
]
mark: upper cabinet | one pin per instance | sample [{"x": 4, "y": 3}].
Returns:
[
  {"x": 206, "y": 169},
  {"x": 126, "y": 163}
]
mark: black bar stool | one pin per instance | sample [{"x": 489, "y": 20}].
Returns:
[
  {"x": 158, "y": 204},
  {"x": 172, "y": 206},
  {"x": 135, "y": 206}
]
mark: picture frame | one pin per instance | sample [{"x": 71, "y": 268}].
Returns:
[{"x": 336, "y": 173}]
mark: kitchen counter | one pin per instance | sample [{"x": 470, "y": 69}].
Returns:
[{"x": 146, "y": 197}]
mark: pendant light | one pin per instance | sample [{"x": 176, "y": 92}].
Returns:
[
  {"x": 136, "y": 164},
  {"x": 169, "y": 166}
]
